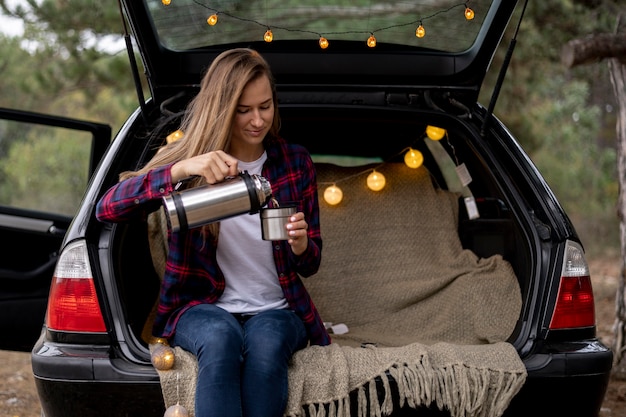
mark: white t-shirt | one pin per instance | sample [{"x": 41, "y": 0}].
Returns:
[{"x": 247, "y": 261}]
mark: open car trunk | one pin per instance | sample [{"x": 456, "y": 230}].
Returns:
[
  {"x": 352, "y": 136},
  {"x": 394, "y": 246}
]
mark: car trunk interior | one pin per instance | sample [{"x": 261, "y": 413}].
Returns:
[{"x": 358, "y": 132}]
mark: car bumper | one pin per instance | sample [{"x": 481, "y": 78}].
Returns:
[
  {"x": 565, "y": 379},
  {"x": 83, "y": 381}
]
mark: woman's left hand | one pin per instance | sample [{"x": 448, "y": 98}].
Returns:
[{"x": 298, "y": 238}]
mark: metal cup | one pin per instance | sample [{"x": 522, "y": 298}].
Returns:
[{"x": 274, "y": 221}]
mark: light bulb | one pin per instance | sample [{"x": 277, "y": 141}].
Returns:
[
  {"x": 174, "y": 136},
  {"x": 166, "y": 2},
  {"x": 434, "y": 132},
  {"x": 323, "y": 42},
  {"x": 413, "y": 158},
  {"x": 268, "y": 37},
  {"x": 371, "y": 41},
  {"x": 160, "y": 340},
  {"x": 333, "y": 195},
  {"x": 212, "y": 20},
  {"x": 376, "y": 181},
  {"x": 420, "y": 32},
  {"x": 162, "y": 357},
  {"x": 176, "y": 410},
  {"x": 469, "y": 13}
]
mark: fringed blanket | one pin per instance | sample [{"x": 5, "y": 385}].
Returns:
[
  {"x": 431, "y": 316},
  {"x": 451, "y": 377},
  {"x": 469, "y": 381}
]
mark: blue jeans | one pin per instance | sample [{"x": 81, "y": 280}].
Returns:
[{"x": 242, "y": 363}]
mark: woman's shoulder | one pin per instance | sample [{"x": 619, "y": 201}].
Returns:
[{"x": 287, "y": 148}]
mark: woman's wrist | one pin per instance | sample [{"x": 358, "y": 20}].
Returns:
[{"x": 177, "y": 172}]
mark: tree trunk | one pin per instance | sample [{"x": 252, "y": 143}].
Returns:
[
  {"x": 617, "y": 71},
  {"x": 594, "y": 48}
]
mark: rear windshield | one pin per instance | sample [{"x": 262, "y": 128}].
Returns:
[{"x": 448, "y": 26}]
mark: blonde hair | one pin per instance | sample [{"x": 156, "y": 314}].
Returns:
[{"x": 208, "y": 120}]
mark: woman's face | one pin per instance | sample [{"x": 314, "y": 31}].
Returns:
[{"x": 253, "y": 119}]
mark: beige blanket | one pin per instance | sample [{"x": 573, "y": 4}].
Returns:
[
  {"x": 468, "y": 380},
  {"x": 393, "y": 268},
  {"x": 431, "y": 315}
]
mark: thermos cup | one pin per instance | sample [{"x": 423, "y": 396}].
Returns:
[
  {"x": 274, "y": 221},
  {"x": 206, "y": 204}
]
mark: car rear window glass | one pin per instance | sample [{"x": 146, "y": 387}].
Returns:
[{"x": 190, "y": 24}]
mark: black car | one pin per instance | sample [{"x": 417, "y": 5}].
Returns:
[{"x": 359, "y": 85}]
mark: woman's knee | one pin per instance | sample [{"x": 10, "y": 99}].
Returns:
[
  {"x": 278, "y": 332},
  {"x": 208, "y": 328}
]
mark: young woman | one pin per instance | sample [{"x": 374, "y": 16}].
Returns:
[{"x": 231, "y": 298}]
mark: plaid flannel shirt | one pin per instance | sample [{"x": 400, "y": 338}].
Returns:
[{"x": 192, "y": 275}]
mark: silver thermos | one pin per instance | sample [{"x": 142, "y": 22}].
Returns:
[{"x": 206, "y": 204}]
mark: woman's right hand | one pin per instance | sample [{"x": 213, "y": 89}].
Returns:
[{"x": 214, "y": 166}]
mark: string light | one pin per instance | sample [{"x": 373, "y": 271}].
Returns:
[
  {"x": 174, "y": 136},
  {"x": 333, "y": 195},
  {"x": 420, "y": 32},
  {"x": 371, "y": 41},
  {"x": 413, "y": 158},
  {"x": 434, "y": 132},
  {"x": 376, "y": 181},
  {"x": 176, "y": 410},
  {"x": 212, "y": 20},
  {"x": 162, "y": 357}
]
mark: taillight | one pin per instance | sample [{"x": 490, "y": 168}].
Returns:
[
  {"x": 574, "y": 304},
  {"x": 73, "y": 303}
]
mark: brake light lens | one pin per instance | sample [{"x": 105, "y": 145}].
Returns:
[
  {"x": 73, "y": 303},
  {"x": 575, "y": 306}
]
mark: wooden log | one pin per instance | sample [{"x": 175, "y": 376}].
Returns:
[{"x": 594, "y": 48}]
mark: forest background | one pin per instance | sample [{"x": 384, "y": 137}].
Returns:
[{"x": 70, "y": 60}]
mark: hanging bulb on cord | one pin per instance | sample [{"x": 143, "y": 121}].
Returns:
[
  {"x": 434, "y": 132},
  {"x": 376, "y": 181},
  {"x": 174, "y": 136},
  {"x": 212, "y": 20},
  {"x": 371, "y": 41},
  {"x": 176, "y": 410},
  {"x": 162, "y": 357},
  {"x": 333, "y": 195},
  {"x": 413, "y": 158},
  {"x": 420, "y": 32}
]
